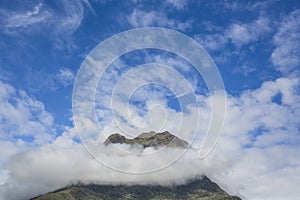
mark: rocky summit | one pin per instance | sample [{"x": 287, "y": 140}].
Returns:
[
  {"x": 149, "y": 139},
  {"x": 201, "y": 189}
]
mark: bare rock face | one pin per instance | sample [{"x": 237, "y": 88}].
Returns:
[
  {"x": 149, "y": 139},
  {"x": 116, "y": 138}
]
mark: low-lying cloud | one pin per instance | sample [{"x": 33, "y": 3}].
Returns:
[
  {"x": 50, "y": 167},
  {"x": 256, "y": 155}
]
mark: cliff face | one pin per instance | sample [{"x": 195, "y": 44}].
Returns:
[
  {"x": 202, "y": 188},
  {"x": 149, "y": 139}
]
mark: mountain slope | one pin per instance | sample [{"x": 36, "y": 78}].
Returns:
[
  {"x": 150, "y": 139},
  {"x": 202, "y": 188}
]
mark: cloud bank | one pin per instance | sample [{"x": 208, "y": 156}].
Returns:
[{"x": 260, "y": 123}]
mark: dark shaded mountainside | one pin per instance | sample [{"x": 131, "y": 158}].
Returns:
[{"x": 201, "y": 189}]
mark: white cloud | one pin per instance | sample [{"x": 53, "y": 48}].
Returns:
[
  {"x": 232, "y": 5},
  {"x": 244, "y": 69},
  {"x": 40, "y": 81},
  {"x": 151, "y": 83},
  {"x": 71, "y": 19},
  {"x": 65, "y": 76},
  {"x": 178, "y": 4},
  {"x": 251, "y": 6},
  {"x": 238, "y": 33},
  {"x": 140, "y": 18},
  {"x": 24, "y": 123},
  {"x": 24, "y": 19},
  {"x": 286, "y": 56},
  {"x": 255, "y": 157},
  {"x": 212, "y": 41},
  {"x": 74, "y": 164},
  {"x": 57, "y": 24},
  {"x": 22, "y": 116}
]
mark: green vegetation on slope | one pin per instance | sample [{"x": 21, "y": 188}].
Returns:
[{"x": 199, "y": 189}]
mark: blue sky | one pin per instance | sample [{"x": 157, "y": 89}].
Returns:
[{"x": 254, "y": 44}]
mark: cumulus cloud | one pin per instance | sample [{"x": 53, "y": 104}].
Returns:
[
  {"x": 241, "y": 34},
  {"x": 22, "y": 117},
  {"x": 24, "y": 124},
  {"x": 141, "y": 18},
  {"x": 255, "y": 156},
  {"x": 237, "y": 33},
  {"x": 285, "y": 56},
  {"x": 73, "y": 164},
  {"x": 138, "y": 95}
]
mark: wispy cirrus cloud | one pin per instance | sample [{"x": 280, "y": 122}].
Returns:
[
  {"x": 45, "y": 19},
  {"x": 16, "y": 20}
]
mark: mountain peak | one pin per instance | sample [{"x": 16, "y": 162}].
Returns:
[
  {"x": 201, "y": 188},
  {"x": 149, "y": 139}
]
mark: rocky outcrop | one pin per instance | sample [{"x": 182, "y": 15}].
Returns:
[{"x": 149, "y": 139}]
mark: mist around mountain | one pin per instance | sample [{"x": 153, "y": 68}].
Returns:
[{"x": 199, "y": 187}]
